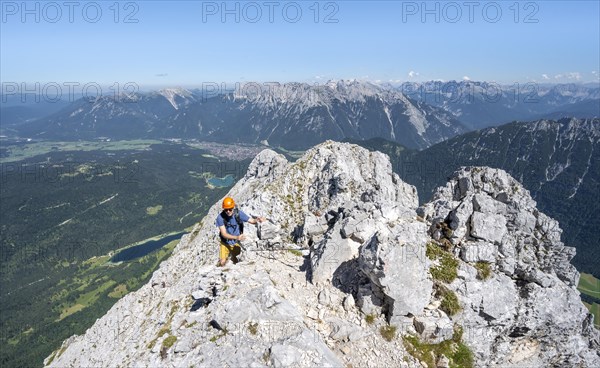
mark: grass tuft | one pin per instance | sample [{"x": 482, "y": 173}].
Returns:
[
  {"x": 267, "y": 356},
  {"x": 169, "y": 341},
  {"x": 450, "y": 303},
  {"x": 253, "y": 328},
  {"x": 447, "y": 269},
  {"x": 166, "y": 344},
  {"x": 161, "y": 332},
  {"x": 433, "y": 251},
  {"x": 484, "y": 270},
  {"x": 463, "y": 357},
  {"x": 388, "y": 332},
  {"x": 295, "y": 252},
  {"x": 459, "y": 354}
]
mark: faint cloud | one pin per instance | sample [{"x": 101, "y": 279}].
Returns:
[
  {"x": 466, "y": 78},
  {"x": 569, "y": 76},
  {"x": 576, "y": 76},
  {"x": 161, "y": 75},
  {"x": 413, "y": 74},
  {"x": 545, "y": 76}
]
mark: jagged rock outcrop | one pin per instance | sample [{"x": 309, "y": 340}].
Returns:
[
  {"x": 527, "y": 312},
  {"x": 343, "y": 257}
]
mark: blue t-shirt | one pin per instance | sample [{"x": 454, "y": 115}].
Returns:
[{"x": 232, "y": 227}]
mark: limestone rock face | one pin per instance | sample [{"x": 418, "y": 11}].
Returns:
[
  {"x": 399, "y": 269},
  {"x": 528, "y": 311},
  {"x": 343, "y": 254}
]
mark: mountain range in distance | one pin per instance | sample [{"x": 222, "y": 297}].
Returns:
[
  {"x": 293, "y": 116},
  {"x": 297, "y": 116},
  {"x": 485, "y": 104}
]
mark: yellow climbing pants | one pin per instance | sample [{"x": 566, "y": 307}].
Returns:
[{"x": 226, "y": 250}]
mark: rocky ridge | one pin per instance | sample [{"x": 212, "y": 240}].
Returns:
[
  {"x": 343, "y": 265},
  {"x": 515, "y": 285}
]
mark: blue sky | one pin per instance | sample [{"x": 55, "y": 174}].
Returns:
[{"x": 187, "y": 43}]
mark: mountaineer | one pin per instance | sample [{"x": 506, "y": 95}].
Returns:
[{"x": 231, "y": 230}]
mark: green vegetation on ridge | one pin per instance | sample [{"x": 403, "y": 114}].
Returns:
[{"x": 459, "y": 354}]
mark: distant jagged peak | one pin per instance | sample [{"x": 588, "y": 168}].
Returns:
[
  {"x": 574, "y": 90},
  {"x": 589, "y": 128},
  {"x": 353, "y": 89},
  {"x": 566, "y": 128},
  {"x": 177, "y": 97},
  {"x": 313, "y": 94},
  {"x": 492, "y": 89},
  {"x": 175, "y": 91},
  {"x": 174, "y": 94}
]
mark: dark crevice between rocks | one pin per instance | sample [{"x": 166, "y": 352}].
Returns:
[
  {"x": 349, "y": 279},
  {"x": 519, "y": 332},
  {"x": 214, "y": 324},
  {"x": 200, "y": 303},
  {"x": 525, "y": 288},
  {"x": 485, "y": 316},
  {"x": 296, "y": 234},
  {"x": 387, "y": 309},
  {"x": 348, "y": 276},
  {"x": 306, "y": 268}
]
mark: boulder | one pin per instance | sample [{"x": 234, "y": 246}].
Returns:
[
  {"x": 400, "y": 269},
  {"x": 314, "y": 225},
  {"x": 348, "y": 303},
  {"x": 344, "y": 331},
  {"x": 369, "y": 301},
  {"x": 488, "y": 227},
  {"x": 459, "y": 219},
  {"x": 442, "y": 362},
  {"x": 434, "y": 327},
  {"x": 484, "y": 203},
  {"x": 267, "y": 230},
  {"x": 478, "y": 252},
  {"x": 465, "y": 185},
  {"x": 358, "y": 227},
  {"x": 330, "y": 253},
  {"x": 285, "y": 355}
]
